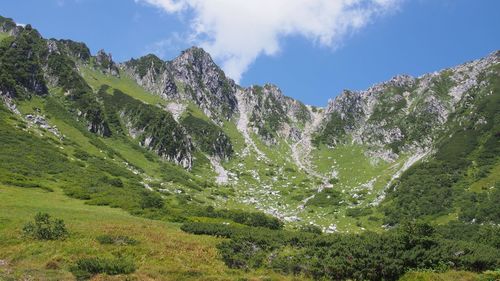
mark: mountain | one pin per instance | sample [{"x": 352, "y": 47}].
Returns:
[{"x": 178, "y": 141}]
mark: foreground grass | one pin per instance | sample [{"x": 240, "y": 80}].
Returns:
[
  {"x": 450, "y": 276},
  {"x": 163, "y": 252}
]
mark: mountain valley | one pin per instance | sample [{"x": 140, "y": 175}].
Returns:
[{"x": 179, "y": 142}]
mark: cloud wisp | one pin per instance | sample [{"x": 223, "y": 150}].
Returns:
[{"x": 236, "y": 32}]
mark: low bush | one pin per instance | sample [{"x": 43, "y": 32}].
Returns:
[
  {"x": 326, "y": 198},
  {"x": 85, "y": 268},
  {"x": 255, "y": 219},
  {"x": 358, "y": 212},
  {"x": 366, "y": 256},
  {"x": 116, "y": 240},
  {"x": 45, "y": 228}
]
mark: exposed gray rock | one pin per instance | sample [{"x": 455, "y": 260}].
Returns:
[
  {"x": 272, "y": 114},
  {"x": 105, "y": 63},
  {"x": 404, "y": 113},
  {"x": 9, "y": 102},
  {"x": 193, "y": 76},
  {"x": 41, "y": 122}
]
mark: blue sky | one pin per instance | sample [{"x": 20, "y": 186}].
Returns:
[{"x": 306, "y": 61}]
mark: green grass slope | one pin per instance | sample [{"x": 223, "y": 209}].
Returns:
[{"x": 164, "y": 252}]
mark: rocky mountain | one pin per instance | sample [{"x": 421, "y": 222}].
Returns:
[
  {"x": 193, "y": 76},
  {"x": 404, "y": 113},
  {"x": 255, "y": 147}
]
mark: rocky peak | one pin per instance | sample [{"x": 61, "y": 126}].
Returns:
[
  {"x": 203, "y": 82},
  {"x": 104, "y": 61},
  {"x": 7, "y": 25},
  {"x": 496, "y": 54},
  {"x": 193, "y": 76},
  {"x": 77, "y": 50},
  {"x": 197, "y": 58},
  {"x": 272, "y": 114},
  {"x": 147, "y": 65}
]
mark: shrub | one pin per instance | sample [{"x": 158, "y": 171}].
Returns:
[
  {"x": 116, "y": 240},
  {"x": 214, "y": 229},
  {"x": 310, "y": 228},
  {"x": 45, "y": 228},
  {"x": 151, "y": 200},
  {"x": 358, "y": 212},
  {"x": 85, "y": 268},
  {"x": 208, "y": 136},
  {"x": 366, "y": 256},
  {"x": 256, "y": 219},
  {"x": 326, "y": 198}
]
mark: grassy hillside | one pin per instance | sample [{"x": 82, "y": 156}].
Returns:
[{"x": 163, "y": 251}]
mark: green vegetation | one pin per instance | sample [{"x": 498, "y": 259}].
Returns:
[
  {"x": 438, "y": 186},
  {"x": 155, "y": 128},
  {"x": 107, "y": 141},
  {"x": 78, "y": 50},
  {"x": 326, "y": 198},
  {"x": 481, "y": 207},
  {"x": 3, "y": 35},
  {"x": 21, "y": 73},
  {"x": 107, "y": 239},
  {"x": 359, "y": 212},
  {"x": 79, "y": 93},
  {"x": 450, "y": 276},
  {"x": 45, "y": 228},
  {"x": 270, "y": 120},
  {"x": 208, "y": 137},
  {"x": 171, "y": 254},
  {"x": 85, "y": 268},
  {"x": 367, "y": 256},
  {"x": 247, "y": 218},
  {"x": 333, "y": 131},
  {"x": 7, "y": 24},
  {"x": 124, "y": 83},
  {"x": 143, "y": 64}
]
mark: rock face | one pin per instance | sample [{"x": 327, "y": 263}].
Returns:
[
  {"x": 21, "y": 62},
  {"x": 193, "y": 77},
  {"x": 200, "y": 79},
  {"x": 271, "y": 114},
  {"x": 152, "y": 127},
  {"x": 9, "y": 26},
  {"x": 402, "y": 114},
  {"x": 104, "y": 61}
]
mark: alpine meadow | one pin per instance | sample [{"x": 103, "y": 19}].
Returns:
[{"x": 154, "y": 169}]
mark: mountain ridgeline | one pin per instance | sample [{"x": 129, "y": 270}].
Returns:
[
  {"x": 407, "y": 163},
  {"x": 443, "y": 124}
]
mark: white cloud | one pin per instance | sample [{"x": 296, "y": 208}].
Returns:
[{"x": 236, "y": 32}]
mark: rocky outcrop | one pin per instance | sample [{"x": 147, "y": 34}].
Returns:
[
  {"x": 22, "y": 63},
  {"x": 8, "y": 26},
  {"x": 272, "y": 114},
  {"x": 41, "y": 122},
  {"x": 78, "y": 50},
  {"x": 151, "y": 73},
  {"x": 193, "y": 76},
  {"x": 105, "y": 63},
  {"x": 201, "y": 80}
]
